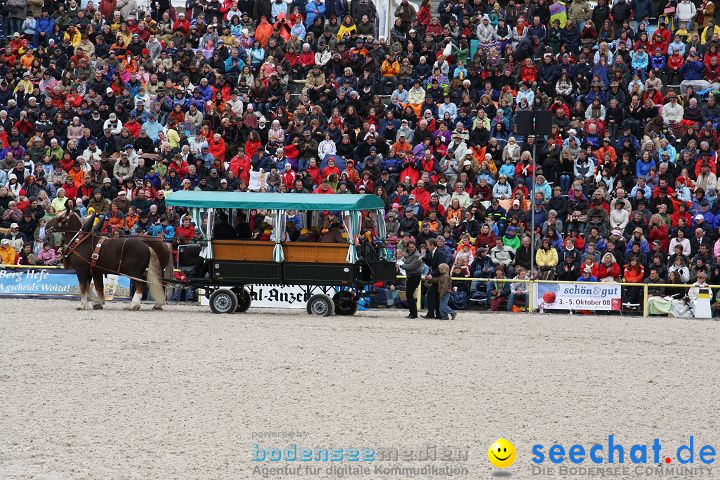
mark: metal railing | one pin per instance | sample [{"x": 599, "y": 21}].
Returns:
[{"x": 531, "y": 288}]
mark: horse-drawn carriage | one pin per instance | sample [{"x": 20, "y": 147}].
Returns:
[{"x": 333, "y": 275}]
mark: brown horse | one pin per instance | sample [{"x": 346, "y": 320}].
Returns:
[{"x": 123, "y": 256}]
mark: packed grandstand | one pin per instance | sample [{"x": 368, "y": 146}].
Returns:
[{"x": 110, "y": 108}]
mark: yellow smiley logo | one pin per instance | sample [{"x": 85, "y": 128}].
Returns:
[{"x": 501, "y": 453}]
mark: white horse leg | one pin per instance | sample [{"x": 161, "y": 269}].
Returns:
[
  {"x": 96, "y": 298},
  {"x": 84, "y": 301},
  {"x": 100, "y": 297},
  {"x": 97, "y": 294},
  {"x": 92, "y": 295},
  {"x": 83, "y": 297},
  {"x": 135, "y": 303}
]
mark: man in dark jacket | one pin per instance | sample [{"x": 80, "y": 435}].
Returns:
[
  {"x": 409, "y": 224},
  {"x": 262, "y": 8},
  {"x": 620, "y": 13},
  {"x": 413, "y": 266},
  {"x": 433, "y": 258},
  {"x": 568, "y": 269},
  {"x": 363, "y": 7}
]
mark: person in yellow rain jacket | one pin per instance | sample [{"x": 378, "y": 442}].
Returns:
[
  {"x": 7, "y": 253},
  {"x": 390, "y": 69},
  {"x": 546, "y": 259},
  {"x": 73, "y": 36}
]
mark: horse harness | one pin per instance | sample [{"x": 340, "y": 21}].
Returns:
[
  {"x": 96, "y": 251},
  {"x": 80, "y": 237}
]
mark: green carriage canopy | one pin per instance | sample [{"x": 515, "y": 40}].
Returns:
[
  {"x": 274, "y": 201},
  {"x": 349, "y": 205}
]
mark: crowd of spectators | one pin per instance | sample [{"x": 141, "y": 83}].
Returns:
[{"x": 115, "y": 106}]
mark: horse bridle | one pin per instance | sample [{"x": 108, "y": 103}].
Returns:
[{"x": 60, "y": 223}]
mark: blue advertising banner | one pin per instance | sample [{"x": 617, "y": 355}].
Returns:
[{"x": 38, "y": 281}]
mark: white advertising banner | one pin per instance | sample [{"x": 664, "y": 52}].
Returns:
[
  {"x": 578, "y": 296},
  {"x": 275, "y": 296}
]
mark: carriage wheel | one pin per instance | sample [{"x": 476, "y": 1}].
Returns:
[
  {"x": 345, "y": 303},
  {"x": 244, "y": 300},
  {"x": 320, "y": 305},
  {"x": 223, "y": 301}
]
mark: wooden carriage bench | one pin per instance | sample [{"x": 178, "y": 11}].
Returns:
[{"x": 295, "y": 252}]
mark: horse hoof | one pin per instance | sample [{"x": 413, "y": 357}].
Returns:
[
  {"x": 133, "y": 308},
  {"x": 157, "y": 307},
  {"x": 97, "y": 307}
]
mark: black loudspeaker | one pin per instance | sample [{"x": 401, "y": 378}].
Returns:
[
  {"x": 534, "y": 123},
  {"x": 543, "y": 122},
  {"x": 524, "y": 122}
]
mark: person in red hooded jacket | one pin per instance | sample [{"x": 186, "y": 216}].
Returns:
[
  {"x": 288, "y": 176},
  {"x": 366, "y": 181},
  {"x": 324, "y": 188},
  {"x": 186, "y": 230},
  {"x": 657, "y": 230},
  {"x": 674, "y": 64},
  {"x": 67, "y": 162},
  {"x": 180, "y": 166},
  {"x": 680, "y": 213},
  {"x": 241, "y": 166},
  {"x": 292, "y": 152},
  {"x": 330, "y": 169},
  {"x": 282, "y": 27},
  {"x": 216, "y": 146},
  {"x": 71, "y": 190},
  {"x": 181, "y": 24},
  {"x": 608, "y": 267},
  {"x": 133, "y": 126},
  {"x": 351, "y": 172},
  {"x": 421, "y": 195},
  {"x": 306, "y": 59},
  {"x": 659, "y": 42},
  {"x": 314, "y": 171}
]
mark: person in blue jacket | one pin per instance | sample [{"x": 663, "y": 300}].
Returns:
[
  {"x": 692, "y": 72},
  {"x": 314, "y": 8},
  {"x": 639, "y": 62},
  {"x": 644, "y": 165},
  {"x": 709, "y": 221},
  {"x": 205, "y": 91},
  {"x": 657, "y": 61},
  {"x": 637, "y": 237},
  {"x": 587, "y": 276},
  {"x": 43, "y": 28},
  {"x": 168, "y": 231}
]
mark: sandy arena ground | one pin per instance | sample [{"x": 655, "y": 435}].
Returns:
[{"x": 178, "y": 394}]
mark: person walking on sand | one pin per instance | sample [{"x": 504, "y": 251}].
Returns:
[
  {"x": 413, "y": 266},
  {"x": 444, "y": 288},
  {"x": 433, "y": 258}
]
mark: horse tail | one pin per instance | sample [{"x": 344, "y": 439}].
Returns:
[
  {"x": 154, "y": 278},
  {"x": 168, "y": 271}
]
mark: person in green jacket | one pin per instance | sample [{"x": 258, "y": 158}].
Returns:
[{"x": 510, "y": 239}]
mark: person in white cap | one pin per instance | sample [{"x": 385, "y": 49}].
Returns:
[
  {"x": 15, "y": 237},
  {"x": 114, "y": 124}
]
